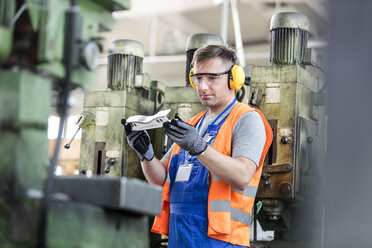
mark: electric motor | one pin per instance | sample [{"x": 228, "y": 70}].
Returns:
[
  {"x": 125, "y": 61},
  {"x": 289, "y": 37}
]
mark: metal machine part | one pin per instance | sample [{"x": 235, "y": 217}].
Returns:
[
  {"x": 85, "y": 119},
  {"x": 90, "y": 55},
  {"x": 198, "y": 40},
  {"x": 141, "y": 122},
  {"x": 78, "y": 224},
  {"x": 289, "y": 36},
  {"x": 128, "y": 194},
  {"x": 124, "y": 63}
]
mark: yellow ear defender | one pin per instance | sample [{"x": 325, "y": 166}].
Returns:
[
  {"x": 236, "y": 75},
  {"x": 190, "y": 79}
]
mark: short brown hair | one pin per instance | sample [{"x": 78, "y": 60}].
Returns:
[{"x": 214, "y": 51}]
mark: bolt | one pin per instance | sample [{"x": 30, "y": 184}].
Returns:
[
  {"x": 285, "y": 140},
  {"x": 274, "y": 217},
  {"x": 285, "y": 189},
  {"x": 267, "y": 184}
]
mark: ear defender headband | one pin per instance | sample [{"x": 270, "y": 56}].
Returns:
[{"x": 236, "y": 74}]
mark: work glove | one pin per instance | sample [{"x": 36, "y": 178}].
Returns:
[
  {"x": 139, "y": 141},
  {"x": 185, "y": 135}
]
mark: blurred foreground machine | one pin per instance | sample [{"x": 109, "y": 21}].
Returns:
[
  {"x": 290, "y": 94},
  {"x": 34, "y": 58}
]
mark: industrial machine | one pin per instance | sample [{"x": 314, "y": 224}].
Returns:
[
  {"x": 290, "y": 93},
  {"x": 104, "y": 149},
  {"x": 54, "y": 46}
]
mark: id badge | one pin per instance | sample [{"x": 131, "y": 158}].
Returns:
[{"x": 184, "y": 172}]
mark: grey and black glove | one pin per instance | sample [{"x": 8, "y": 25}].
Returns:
[
  {"x": 186, "y": 136},
  {"x": 139, "y": 141}
]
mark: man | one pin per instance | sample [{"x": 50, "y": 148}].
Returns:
[{"x": 211, "y": 174}]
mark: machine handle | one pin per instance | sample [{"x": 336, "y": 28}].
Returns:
[
  {"x": 67, "y": 145},
  {"x": 110, "y": 162}
]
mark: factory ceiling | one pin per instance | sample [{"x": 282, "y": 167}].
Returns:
[{"x": 163, "y": 27}]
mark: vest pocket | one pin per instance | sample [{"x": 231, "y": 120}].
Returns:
[{"x": 220, "y": 222}]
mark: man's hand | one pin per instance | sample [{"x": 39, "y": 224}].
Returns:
[
  {"x": 139, "y": 141},
  {"x": 186, "y": 136}
]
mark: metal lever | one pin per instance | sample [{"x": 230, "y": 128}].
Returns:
[
  {"x": 67, "y": 145},
  {"x": 84, "y": 120},
  {"x": 110, "y": 162}
]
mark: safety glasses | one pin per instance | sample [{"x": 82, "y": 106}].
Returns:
[{"x": 207, "y": 77}]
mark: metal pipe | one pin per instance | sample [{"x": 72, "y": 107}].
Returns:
[
  {"x": 238, "y": 37},
  {"x": 277, "y": 6},
  {"x": 224, "y": 20},
  {"x": 153, "y": 36}
]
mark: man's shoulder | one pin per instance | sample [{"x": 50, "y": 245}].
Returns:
[
  {"x": 240, "y": 109},
  {"x": 196, "y": 117},
  {"x": 243, "y": 107}
]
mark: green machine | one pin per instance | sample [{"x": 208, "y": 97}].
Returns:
[
  {"x": 104, "y": 150},
  {"x": 290, "y": 94},
  {"x": 45, "y": 44}
]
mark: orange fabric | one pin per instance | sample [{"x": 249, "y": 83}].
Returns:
[{"x": 220, "y": 225}]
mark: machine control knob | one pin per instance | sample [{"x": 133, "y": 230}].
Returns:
[
  {"x": 267, "y": 184},
  {"x": 110, "y": 162},
  {"x": 285, "y": 140},
  {"x": 265, "y": 177},
  {"x": 285, "y": 189}
]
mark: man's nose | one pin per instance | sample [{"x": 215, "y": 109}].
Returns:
[{"x": 203, "y": 83}]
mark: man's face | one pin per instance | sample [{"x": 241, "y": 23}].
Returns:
[{"x": 213, "y": 92}]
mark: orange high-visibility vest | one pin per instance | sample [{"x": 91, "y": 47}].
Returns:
[{"x": 229, "y": 209}]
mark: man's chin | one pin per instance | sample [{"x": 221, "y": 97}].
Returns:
[{"x": 205, "y": 102}]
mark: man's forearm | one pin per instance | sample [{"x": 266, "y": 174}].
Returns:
[
  {"x": 154, "y": 171},
  {"x": 235, "y": 171}
]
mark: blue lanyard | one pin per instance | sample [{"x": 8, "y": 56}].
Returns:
[
  {"x": 212, "y": 130},
  {"x": 212, "y": 127}
]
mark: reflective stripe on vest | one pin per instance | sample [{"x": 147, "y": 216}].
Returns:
[
  {"x": 168, "y": 180},
  {"x": 236, "y": 214},
  {"x": 248, "y": 191}
]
